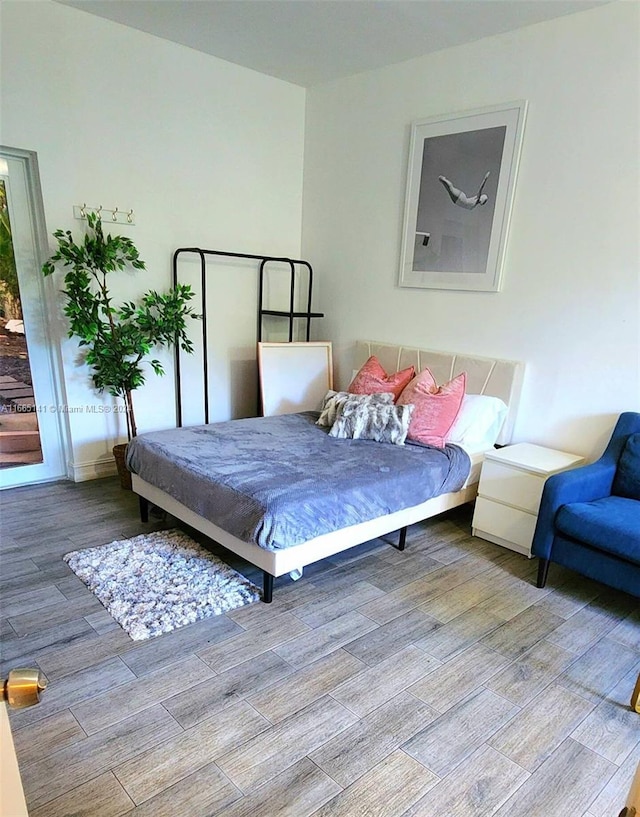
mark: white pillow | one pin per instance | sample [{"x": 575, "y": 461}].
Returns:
[{"x": 479, "y": 422}]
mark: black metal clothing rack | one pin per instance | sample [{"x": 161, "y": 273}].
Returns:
[{"x": 291, "y": 314}]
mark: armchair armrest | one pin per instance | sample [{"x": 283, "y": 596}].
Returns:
[
  {"x": 582, "y": 484},
  {"x": 579, "y": 484}
]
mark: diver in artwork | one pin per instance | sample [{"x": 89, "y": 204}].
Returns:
[{"x": 460, "y": 198}]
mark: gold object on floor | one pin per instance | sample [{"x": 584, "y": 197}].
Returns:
[{"x": 23, "y": 687}]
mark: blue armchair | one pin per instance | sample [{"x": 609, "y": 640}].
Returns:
[{"x": 589, "y": 518}]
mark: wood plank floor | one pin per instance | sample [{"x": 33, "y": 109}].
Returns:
[{"x": 435, "y": 682}]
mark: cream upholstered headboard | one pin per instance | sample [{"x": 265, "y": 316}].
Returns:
[{"x": 485, "y": 375}]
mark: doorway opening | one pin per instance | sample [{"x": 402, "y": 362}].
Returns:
[
  {"x": 19, "y": 430},
  {"x": 33, "y": 434}
]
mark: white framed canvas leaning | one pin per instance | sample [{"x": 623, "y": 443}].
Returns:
[
  {"x": 460, "y": 185},
  {"x": 294, "y": 376}
]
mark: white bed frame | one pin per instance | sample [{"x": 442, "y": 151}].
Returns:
[{"x": 498, "y": 378}]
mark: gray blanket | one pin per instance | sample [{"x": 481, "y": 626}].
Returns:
[{"x": 279, "y": 481}]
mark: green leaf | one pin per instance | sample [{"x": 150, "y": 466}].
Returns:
[{"x": 116, "y": 338}]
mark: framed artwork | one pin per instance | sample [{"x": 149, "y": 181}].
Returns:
[
  {"x": 294, "y": 376},
  {"x": 460, "y": 186}
]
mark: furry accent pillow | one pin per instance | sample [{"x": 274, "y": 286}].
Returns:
[
  {"x": 372, "y": 378},
  {"x": 334, "y": 400},
  {"x": 379, "y": 422}
]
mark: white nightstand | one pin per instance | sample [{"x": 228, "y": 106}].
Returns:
[{"x": 509, "y": 492}]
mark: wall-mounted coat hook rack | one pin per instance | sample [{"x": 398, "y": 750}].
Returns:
[{"x": 115, "y": 216}]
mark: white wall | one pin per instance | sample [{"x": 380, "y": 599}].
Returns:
[
  {"x": 570, "y": 302},
  {"x": 206, "y": 153},
  {"x": 211, "y": 154}
]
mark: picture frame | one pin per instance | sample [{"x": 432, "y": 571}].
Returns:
[
  {"x": 294, "y": 376},
  {"x": 461, "y": 181}
]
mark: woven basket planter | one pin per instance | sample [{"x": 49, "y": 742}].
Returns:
[{"x": 120, "y": 453}]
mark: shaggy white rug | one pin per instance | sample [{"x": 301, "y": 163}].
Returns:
[{"x": 156, "y": 582}]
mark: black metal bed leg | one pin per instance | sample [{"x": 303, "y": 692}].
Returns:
[
  {"x": 402, "y": 541},
  {"x": 543, "y": 569},
  {"x": 144, "y": 509},
  {"x": 267, "y": 587}
]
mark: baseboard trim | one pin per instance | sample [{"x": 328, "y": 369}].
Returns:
[{"x": 84, "y": 471}]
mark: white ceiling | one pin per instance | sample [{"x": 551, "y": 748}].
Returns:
[{"x": 308, "y": 42}]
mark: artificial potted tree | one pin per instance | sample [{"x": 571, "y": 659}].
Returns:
[{"x": 117, "y": 339}]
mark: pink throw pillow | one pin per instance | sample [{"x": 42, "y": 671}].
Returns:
[
  {"x": 435, "y": 410},
  {"x": 372, "y": 379}
]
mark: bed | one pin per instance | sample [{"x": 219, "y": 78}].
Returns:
[{"x": 208, "y": 476}]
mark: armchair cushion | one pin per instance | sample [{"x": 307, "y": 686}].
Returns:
[
  {"x": 627, "y": 479},
  {"x": 611, "y": 524}
]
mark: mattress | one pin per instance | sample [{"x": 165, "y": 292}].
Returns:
[
  {"x": 476, "y": 459},
  {"x": 279, "y": 481}
]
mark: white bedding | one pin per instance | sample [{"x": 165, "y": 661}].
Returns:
[{"x": 477, "y": 458}]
